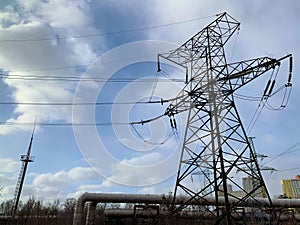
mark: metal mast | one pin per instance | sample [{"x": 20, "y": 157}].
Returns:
[
  {"x": 215, "y": 138},
  {"x": 25, "y": 160}
]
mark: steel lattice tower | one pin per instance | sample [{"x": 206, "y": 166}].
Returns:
[
  {"x": 215, "y": 138},
  {"x": 25, "y": 160}
]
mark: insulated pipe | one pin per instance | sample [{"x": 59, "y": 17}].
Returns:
[
  {"x": 161, "y": 199},
  {"x": 91, "y": 211},
  {"x": 128, "y": 213}
]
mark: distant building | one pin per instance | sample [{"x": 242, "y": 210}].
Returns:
[
  {"x": 291, "y": 187},
  {"x": 248, "y": 185}
]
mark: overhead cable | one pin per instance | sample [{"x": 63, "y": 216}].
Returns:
[
  {"x": 102, "y": 34},
  {"x": 60, "y": 124},
  {"x": 161, "y": 101},
  {"x": 84, "y": 79}
]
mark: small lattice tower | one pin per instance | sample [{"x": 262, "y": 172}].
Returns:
[{"x": 25, "y": 160}]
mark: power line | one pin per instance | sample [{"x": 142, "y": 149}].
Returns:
[
  {"x": 74, "y": 103},
  {"x": 291, "y": 149},
  {"x": 172, "y": 133},
  {"x": 53, "y": 68},
  {"x": 77, "y": 79},
  {"x": 94, "y": 35},
  {"x": 7, "y": 123},
  {"x": 103, "y": 34},
  {"x": 287, "y": 169},
  {"x": 105, "y": 62},
  {"x": 80, "y": 66},
  {"x": 161, "y": 101},
  {"x": 61, "y": 124}
]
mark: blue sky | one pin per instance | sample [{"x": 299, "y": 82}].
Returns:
[{"x": 71, "y": 160}]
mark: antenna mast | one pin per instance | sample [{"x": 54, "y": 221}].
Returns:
[{"x": 25, "y": 160}]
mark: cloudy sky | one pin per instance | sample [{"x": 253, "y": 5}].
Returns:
[{"x": 58, "y": 52}]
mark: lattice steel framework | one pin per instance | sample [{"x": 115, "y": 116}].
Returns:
[
  {"x": 215, "y": 138},
  {"x": 25, "y": 160}
]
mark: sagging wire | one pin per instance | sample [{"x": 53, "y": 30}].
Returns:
[
  {"x": 262, "y": 102},
  {"x": 171, "y": 134},
  {"x": 167, "y": 76},
  {"x": 154, "y": 87},
  {"x": 164, "y": 74},
  {"x": 172, "y": 123},
  {"x": 255, "y": 117},
  {"x": 32, "y": 39},
  {"x": 268, "y": 92},
  {"x": 284, "y": 102}
]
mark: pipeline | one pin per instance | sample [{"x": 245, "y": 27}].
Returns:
[
  {"x": 128, "y": 213},
  {"x": 161, "y": 199}
]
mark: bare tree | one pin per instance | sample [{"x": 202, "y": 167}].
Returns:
[
  {"x": 6, "y": 207},
  {"x": 69, "y": 206}
]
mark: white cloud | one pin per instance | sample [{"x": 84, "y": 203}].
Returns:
[
  {"x": 165, "y": 12},
  {"x": 138, "y": 171},
  {"x": 144, "y": 160},
  {"x": 59, "y": 179},
  {"x": 92, "y": 188},
  {"x": 62, "y": 178},
  {"x": 50, "y": 186},
  {"x": 8, "y": 17},
  {"x": 76, "y": 194},
  {"x": 107, "y": 184},
  {"x": 65, "y": 14},
  {"x": 8, "y": 175},
  {"x": 157, "y": 189},
  {"x": 6, "y": 192},
  {"x": 47, "y": 194},
  {"x": 9, "y": 165},
  {"x": 83, "y": 173},
  {"x": 28, "y": 5},
  {"x": 46, "y": 19}
]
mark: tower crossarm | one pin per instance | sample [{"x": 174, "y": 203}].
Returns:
[
  {"x": 231, "y": 77},
  {"x": 240, "y": 73}
]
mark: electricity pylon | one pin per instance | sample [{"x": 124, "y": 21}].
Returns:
[{"x": 213, "y": 121}]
